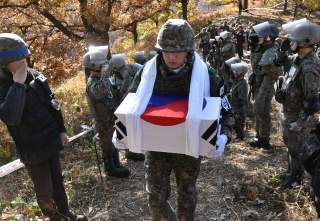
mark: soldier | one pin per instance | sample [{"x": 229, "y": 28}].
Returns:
[
  {"x": 266, "y": 73},
  {"x": 204, "y": 44},
  {"x": 175, "y": 63},
  {"x": 240, "y": 41},
  {"x": 299, "y": 94},
  {"x": 212, "y": 31},
  {"x": 121, "y": 75},
  {"x": 226, "y": 73},
  {"x": 239, "y": 97},
  {"x": 104, "y": 97},
  {"x": 34, "y": 119},
  {"x": 139, "y": 57},
  {"x": 228, "y": 48}
]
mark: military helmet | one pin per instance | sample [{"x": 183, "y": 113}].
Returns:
[
  {"x": 12, "y": 48},
  {"x": 266, "y": 29},
  {"x": 96, "y": 56},
  {"x": 305, "y": 33},
  {"x": 139, "y": 57},
  {"x": 232, "y": 60},
  {"x": 117, "y": 62},
  {"x": 151, "y": 54},
  {"x": 239, "y": 68},
  {"x": 225, "y": 35},
  {"x": 175, "y": 35}
]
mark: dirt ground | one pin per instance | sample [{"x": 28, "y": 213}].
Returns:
[{"x": 242, "y": 185}]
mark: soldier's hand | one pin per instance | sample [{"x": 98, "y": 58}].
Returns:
[
  {"x": 64, "y": 138},
  {"x": 19, "y": 70}
]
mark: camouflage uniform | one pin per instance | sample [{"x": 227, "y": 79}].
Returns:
[
  {"x": 267, "y": 75},
  {"x": 299, "y": 94},
  {"x": 204, "y": 44},
  {"x": 298, "y": 91},
  {"x": 228, "y": 50},
  {"x": 239, "y": 103},
  {"x": 104, "y": 93},
  {"x": 311, "y": 161},
  {"x": 160, "y": 165}
]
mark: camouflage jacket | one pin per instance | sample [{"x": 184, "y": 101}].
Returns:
[
  {"x": 301, "y": 86},
  {"x": 167, "y": 83},
  {"x": 239, "y": 96},
  {"x": 228, "y": 51},
  {"x": 103, "y": 98}
]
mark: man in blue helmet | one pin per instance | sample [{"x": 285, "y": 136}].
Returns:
[{"x": 34, "y": 120}]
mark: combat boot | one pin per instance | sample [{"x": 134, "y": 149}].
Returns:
[
  {"x": 111, "y": 168},
  {"x": 264, "y": 143},
  {"x": 291, "y": 182},
  {"x": 255, "y": 142}
]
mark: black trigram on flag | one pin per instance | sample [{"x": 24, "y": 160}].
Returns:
[
  {"x": 121, "y": 130},
  {"x": 210, "y": 134}
]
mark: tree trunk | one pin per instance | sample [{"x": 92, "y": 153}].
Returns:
[
  {"x": 185, "y": 9},
  {"x": 135, "y": 33},
  {"x": 295, "y": 10},
  {"x": 285, "y": 6},
  {"x": 240, "y": 6},
  {"x": 245, "y": 4}
]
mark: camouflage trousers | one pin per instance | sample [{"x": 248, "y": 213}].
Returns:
[
  {"x": 239, "y": 124},
  {"x": 105, "y": 130},
  {"x": 158, "y": 169},
  {"x": 262, "y": 109},
  {"x": 312, "y": 165},
  {"x": 294, "y": 142}
]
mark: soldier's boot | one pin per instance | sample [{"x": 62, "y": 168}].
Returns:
[
  {"x": 111, "y": 168},
  {"x": 255, "y": 142},
  {"x": 134, "y": 156},
  {"x": 291, "y": 182},
  {"x": 264, "y": 143}
]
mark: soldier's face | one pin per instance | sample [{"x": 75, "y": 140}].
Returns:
[{"x": 174, "y": 60}]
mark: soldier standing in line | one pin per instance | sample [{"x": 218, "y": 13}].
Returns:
[
  {"x": 33, "y": 116},
  {"x": 204, "y": 44},
  {"x": 121, "y": 75},
  {"x": 228, "y": 48},
  {"x": 266, "y": 73},
  {"x": 299, "y": 94},
  {"x": 175, "y": 62},
  {"x": 226, "y": 73},
  {"x": 239, "y": 98},
  {"x": 240, "y": 41},
  {"x": 104, "y": 98}
]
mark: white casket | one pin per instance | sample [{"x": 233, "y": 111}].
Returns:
[{"x": 163, "y": 124}]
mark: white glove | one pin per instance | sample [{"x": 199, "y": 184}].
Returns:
[
  {"x": 221, "y": 143},
  {"x": 294, "y": 126}
]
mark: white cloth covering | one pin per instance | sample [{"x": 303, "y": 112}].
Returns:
[{"x": 199, "y": 88}]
